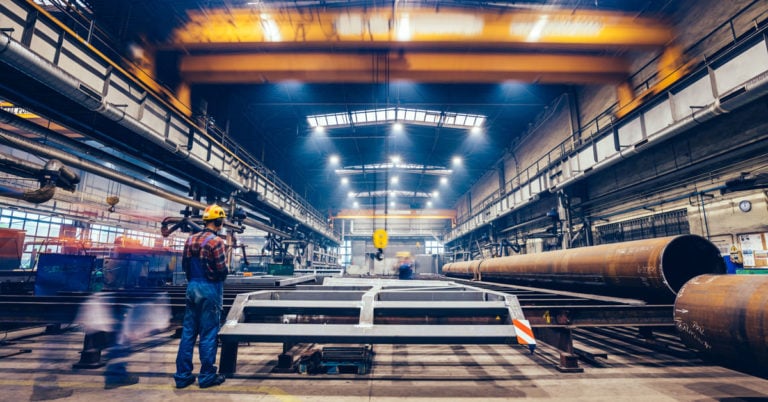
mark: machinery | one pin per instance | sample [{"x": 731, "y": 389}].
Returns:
[
  {"x": 133, "y": 265},
  {"x": 11, "y": 247}
]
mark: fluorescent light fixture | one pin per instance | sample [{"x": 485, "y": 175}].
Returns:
[
  {"x": 270, "y": 29},
  {"x": 397, "y": 116},
  {"x": 404, "y": 27},
  {"x": 537, "y": 29},
  {"x": 52, "y": 3},
  {"x": 401, "y": 168}
]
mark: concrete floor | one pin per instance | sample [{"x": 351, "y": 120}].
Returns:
[{"x": 38, "y": 367}]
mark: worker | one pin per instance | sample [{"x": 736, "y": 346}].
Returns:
[
  {"x": 405, "y": 269},
  {"x": 204, "y": 263}
]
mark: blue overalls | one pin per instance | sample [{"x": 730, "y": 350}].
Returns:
[
  {"x": 405, "y": 271},
  {"x": 202, "y": 317}
]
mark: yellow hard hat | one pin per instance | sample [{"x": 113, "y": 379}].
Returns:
[{"x": 213, "y": 212}]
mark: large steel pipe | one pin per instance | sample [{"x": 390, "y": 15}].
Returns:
[
  {"x": 651, "y": 269},
  {"x": 725, "y": 317}
]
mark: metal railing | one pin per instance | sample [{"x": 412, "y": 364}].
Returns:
[
  {"x": 88, "y": 31},
  {"x": 723, "y": 38}
]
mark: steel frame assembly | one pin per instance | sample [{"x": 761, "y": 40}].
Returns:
[{"x": 349, "y": 310}]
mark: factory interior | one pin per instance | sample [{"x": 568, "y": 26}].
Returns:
[{"x": 561, "y": 200}]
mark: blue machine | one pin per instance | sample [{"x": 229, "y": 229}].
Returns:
[{"x": 63, "y": 272}]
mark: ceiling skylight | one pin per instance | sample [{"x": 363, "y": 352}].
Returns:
[{"x": 434, "y": 118}]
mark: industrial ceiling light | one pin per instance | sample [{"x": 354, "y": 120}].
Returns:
[
  {"x": 475, "y": 130},
  {"x": 270, "y": 29},
  {"x": 319, "y": 129},
  {"x": 397, "y": 127},
  {"x": 457, "y": 160},
  {"x": 356, "y": 204},
  {"x": 395, "y": 160},
  {"x": 429, "y": 204},
  {"x": 435, "y": 194},
  {"x": 401, "y": 168},
  {"x": 443, "y": 180},
  {"x": 404, "y": 27},
  {"x": 537, "y": 29},
  {"x": 334, "y": 160},
  {"x": 344, "y": 181},
  {"x": 397, "y": 116},
  {"x": 394, "y": 180},
  {"x": 350, "y": 194}
]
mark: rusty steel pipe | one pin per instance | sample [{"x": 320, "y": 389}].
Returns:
[
  {"x": 650, "y": 269},
  {"x": 725, "y": 317}
]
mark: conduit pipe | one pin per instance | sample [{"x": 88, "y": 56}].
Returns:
[
  {"x": 29, "y": 63},
  {"x": 51, "y": 175},
  {"x": 80, "y": 163},
  {"x": 37, "y": 196},
  {"x": 650, "y": 269},
  {"x": 725, "y": 317},
  {"x": 56, "y": 138},
  {"x": 75, "y": 161}
]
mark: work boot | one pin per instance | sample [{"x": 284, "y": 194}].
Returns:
[
  {"x": 218, "y": 380},
  {"x": 185, "y": 382}
]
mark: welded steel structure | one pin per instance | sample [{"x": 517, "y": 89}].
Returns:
[
  {"x": 346, "y": 310},
  {"x": 651, "y": 269},
  {"x": 725, "y": 317}
]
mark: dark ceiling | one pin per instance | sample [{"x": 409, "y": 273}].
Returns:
[{"x": 269, "y": 120}]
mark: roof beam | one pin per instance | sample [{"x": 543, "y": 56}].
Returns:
[
  {"x": 422, "y": 67},
  {"x": 405, "y": 214}
]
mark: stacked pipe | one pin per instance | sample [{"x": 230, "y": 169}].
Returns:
[
  {"x": 650, "y": 269},
  {"x": 725, "y": 317}
]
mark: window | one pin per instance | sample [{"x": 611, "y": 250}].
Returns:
[
  {"x": 433, "y": 247},
  {"x": 658, "y": 225},
  {"x": 345, "y": 252},
  {"x": 44, "y": 232}
]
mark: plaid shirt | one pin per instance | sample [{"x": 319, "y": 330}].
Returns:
[{"x": 212, "y": 255}]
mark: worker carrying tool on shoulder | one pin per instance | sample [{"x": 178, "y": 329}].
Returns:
[{"x": 204, "y": 262}]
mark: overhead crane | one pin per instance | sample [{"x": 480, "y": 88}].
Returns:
[{"x": 441, "y": 44}]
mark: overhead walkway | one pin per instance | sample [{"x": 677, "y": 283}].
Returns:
[{"x": 66, "y": 74}]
